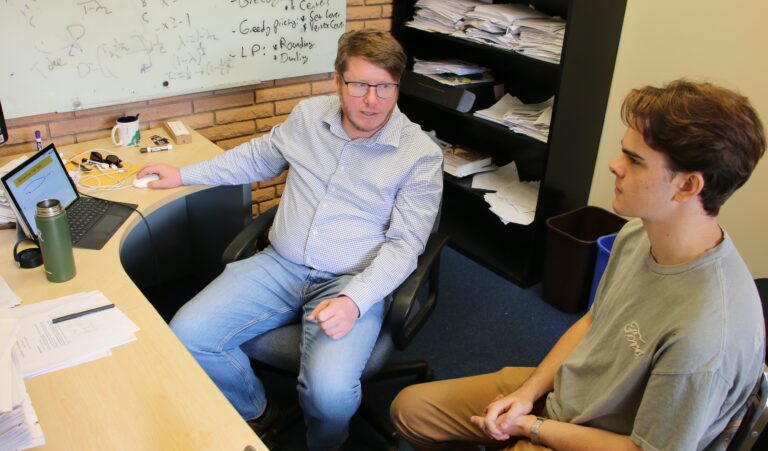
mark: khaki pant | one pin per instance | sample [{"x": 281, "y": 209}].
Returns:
[{"x": 436, "y": 415}]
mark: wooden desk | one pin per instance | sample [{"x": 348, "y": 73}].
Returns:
[{"x": 150, "y": 394}]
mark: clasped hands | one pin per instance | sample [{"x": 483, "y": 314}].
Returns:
[
  {"x": 505, "y": 417},
  {"x": 335, "y": 316}
]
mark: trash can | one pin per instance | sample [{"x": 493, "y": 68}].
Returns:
[
  {"x": 569, "y": 259},
  {"x": 604, "y": 246}
]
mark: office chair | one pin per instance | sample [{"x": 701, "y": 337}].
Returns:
[
  {"x": 755, "y": 419},
  {"x": 412, "y": 303}
]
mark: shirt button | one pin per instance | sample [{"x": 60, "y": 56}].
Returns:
[
  {"x": 341, "y": 168},
  {"x": 333, "y": 189},
  {"x": 314, "y": 232},
  {"x": 325, "y": 204}
]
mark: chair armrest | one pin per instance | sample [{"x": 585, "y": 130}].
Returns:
[
  {"x": 403, "y": 322},
  {"x": 244, "y": 244}
]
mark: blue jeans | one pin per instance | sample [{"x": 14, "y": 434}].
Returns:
[{"x": 262, "y": 293}]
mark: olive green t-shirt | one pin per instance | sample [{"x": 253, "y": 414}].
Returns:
[{"x": 673, "y": 352}]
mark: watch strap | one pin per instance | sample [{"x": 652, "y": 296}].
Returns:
[{"x": 535, "y": 430}]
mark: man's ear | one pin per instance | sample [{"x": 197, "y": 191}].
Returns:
[
  {"x": 337, "y": 80},
  {"x": 689, "y": 186}
]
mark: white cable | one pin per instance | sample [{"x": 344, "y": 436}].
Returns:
[{"x": 85, "y": 176}]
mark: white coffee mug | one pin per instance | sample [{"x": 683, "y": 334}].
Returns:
[{"x": 127, "y": 130}]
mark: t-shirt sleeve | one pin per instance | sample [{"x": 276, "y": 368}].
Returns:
[{"x": 676, "y": 409}]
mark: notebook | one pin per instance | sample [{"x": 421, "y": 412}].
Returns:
[{"x": 43, "y": 176}]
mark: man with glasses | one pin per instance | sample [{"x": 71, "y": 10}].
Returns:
[{"x": 360, "y": 199}]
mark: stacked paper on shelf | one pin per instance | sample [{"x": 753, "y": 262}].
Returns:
[
  {"x": 452, "y": 71},
  {"x": 538, "y": 38},
  {"x": 461, "y": 162},
  {"x": 530, "y": 119},
  {"x": 75, "y": 341},
  {"x": 6, "y": 214},
  {"x": 510, "y": 26},
  {"x": 19, "y": 428},
  {"x": 515, "y": 202},
  {"x": 488, "y": 24},
  {"x": 493, "y": 181},
  {"x": 442, "y": 16}
]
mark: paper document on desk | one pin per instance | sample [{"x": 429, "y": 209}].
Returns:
[
  {"x": 46, "y": 347},
  {"x": 7, "y": 297},
  {"x": 19, "y": 428}
]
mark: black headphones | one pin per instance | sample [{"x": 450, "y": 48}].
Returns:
[{"x": 28, "y": 258}]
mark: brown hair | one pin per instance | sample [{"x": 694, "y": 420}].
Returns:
[
  {"x": 378, "y": 47},
  {"x": 702, "y": 128}
]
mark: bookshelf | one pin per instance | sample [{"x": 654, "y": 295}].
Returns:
[{"x": 564, "y": 165}]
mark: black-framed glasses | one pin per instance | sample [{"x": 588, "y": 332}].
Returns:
[{"x": 360, "y": 89}]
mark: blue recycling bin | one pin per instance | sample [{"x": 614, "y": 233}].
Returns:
[{"x": 604, "y": 246}]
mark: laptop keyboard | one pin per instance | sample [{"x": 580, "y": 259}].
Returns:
[{"x": 83, "y": 214}]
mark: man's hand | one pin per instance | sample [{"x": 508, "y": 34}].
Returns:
[
  {"x": 505, "y": 417},
  {"x": 335, "y": 316},
  {"x": 170, "y": 177}
]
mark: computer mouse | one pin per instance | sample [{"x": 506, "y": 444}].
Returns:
[{"x": 142, "y": 182}]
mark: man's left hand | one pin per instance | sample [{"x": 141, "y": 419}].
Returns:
[{"x": 335, "y": 316}]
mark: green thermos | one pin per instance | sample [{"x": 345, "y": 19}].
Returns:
[{"x": 55, "y": 240}]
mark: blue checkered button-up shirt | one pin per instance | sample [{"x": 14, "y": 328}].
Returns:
[{"x": 363, "y": 206}]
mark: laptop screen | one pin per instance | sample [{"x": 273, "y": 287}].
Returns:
[{"x": 42, "y": 176}]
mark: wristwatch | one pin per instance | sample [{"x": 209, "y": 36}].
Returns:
[{"x": 535, "y": 430}]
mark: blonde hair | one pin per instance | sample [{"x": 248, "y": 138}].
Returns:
[{"x": 378, "y": 47}]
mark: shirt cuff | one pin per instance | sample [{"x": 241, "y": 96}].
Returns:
[{"x": 360, "y": 295}]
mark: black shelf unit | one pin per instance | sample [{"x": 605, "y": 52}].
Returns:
[{"x": 564, "y": 165}]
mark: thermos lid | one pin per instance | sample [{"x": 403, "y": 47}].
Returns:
[{"x": 48, "y": 207}]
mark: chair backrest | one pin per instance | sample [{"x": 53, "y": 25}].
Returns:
[
  {"x": 755, "y": 419},
  {"x": 762, "y": 289}
]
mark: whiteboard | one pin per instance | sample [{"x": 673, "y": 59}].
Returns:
[{"x": 65, "y": 55}]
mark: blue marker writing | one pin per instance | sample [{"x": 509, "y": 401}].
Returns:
[{"x": 38, "y": 140}]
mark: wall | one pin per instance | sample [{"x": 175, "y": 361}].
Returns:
[
  {"x": 711, "y": 40},
  {"x": 227, "y": 117}
]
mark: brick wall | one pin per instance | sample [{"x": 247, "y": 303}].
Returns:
[{"x": 227, "y": 117}]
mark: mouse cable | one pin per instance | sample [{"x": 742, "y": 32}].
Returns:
[{"x": 155, "y": 256}]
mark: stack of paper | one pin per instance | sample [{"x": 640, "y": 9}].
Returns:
[
  {"x": 511, "y": 26},
  {"x": 513, "y": 201},
  {"x": 529, "y": 119},
  {"x": 452, "y": 72},
  {"x": 6, "y": 214},
  {"x": 488, "y": 24},
  {"x": 442, "y": 16},
  {"x": 493, "y": 181},
  {"x": 540, "y": 38},
  {"x": 44, "y": 346},
  {"x": 19, "y": 428}
]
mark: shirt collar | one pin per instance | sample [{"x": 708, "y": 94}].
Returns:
[{"x": 388, "y": 135}]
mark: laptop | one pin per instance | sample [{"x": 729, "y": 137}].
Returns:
[{"x": 92, "y": 222}]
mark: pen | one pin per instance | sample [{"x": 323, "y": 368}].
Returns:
[
  {"x": 38, "y": 140},
  {"x": 83, "y": 313},
  {"x": 156, "y": 148}
]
